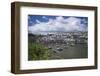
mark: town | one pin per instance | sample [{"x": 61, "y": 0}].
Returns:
[
  {"x": 58, "y": 41},
  {"x": 62, "y": 45}
]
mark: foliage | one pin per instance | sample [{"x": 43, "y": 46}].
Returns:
[{"x": 37, "y": 51}]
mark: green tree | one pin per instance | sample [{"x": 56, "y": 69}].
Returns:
[{"x": 37, "y": 52}]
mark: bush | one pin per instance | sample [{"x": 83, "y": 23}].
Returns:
[{"x": 37, "y": 52}]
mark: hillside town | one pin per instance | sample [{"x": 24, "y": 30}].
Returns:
[
  {"x": 63, "y": 37},
  {"x": 58, "y": 41}
]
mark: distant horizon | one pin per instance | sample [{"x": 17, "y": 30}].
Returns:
[{"x": 45, "y": 33}]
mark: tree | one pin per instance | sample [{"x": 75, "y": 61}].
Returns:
[{"x": 37, "y": 51}]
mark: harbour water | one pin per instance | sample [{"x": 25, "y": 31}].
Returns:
[{"x": 72, "y": 52}]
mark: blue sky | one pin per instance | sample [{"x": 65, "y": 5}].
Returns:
[{"x": 57, "y": 23}]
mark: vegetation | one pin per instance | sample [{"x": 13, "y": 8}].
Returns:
[{"x": 37, "y": 51}]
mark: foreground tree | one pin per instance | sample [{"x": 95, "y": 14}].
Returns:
[{"x": 37, "y": 52}]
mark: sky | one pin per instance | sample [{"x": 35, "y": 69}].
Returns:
[{"x": 44, "y": 23}]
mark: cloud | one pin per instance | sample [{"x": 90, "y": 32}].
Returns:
[
  {"x": 38, "y": 21},
  {"x": 60, "y": 24},
  {"x": 44, "y": 17}
]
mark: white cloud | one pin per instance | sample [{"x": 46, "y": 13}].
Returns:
[
  {"x": 58, "y": 24},
  {"x": 38, "y": 21},
  {"x": 44, "y": 17}
]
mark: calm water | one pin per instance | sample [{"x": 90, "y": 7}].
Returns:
[{"x": 76, "y": 51}]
